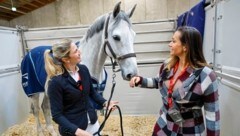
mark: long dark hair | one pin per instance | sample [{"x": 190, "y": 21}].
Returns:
[{"x": 192, "y": 39}]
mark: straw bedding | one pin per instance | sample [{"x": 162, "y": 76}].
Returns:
[{"x": 132, "y": 126}]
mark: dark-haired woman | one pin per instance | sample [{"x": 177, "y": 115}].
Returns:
[{"x": 186, "y": 84}]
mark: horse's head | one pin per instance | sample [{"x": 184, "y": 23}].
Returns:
[{"x": 119, "y": 38}]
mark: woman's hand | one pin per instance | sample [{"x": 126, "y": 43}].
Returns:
[
  {"x": 81, "y": 132},
  {"x": 134, "y": 81},
  {"x": 111, "y": 105}
]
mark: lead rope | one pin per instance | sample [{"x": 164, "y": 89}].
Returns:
[
  {"x": 114, "y": 63},
  {"x": 108, "y": 112}
]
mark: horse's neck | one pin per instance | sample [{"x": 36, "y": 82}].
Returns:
[{"x": 93, "y": 55}]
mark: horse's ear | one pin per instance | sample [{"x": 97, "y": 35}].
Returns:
[
  {"x": 130, "y": 12},
  {"x": 116, "y": 9}
]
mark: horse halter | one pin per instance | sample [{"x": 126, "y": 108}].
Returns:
[{"x": 106, "y": 43}]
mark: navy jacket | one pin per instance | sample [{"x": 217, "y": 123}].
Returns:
[{"x": 69, "y": 104}]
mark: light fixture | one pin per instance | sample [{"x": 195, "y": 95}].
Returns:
[{"x": 13, "y": 8}]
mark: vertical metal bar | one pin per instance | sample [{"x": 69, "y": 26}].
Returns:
[
  {"x": 21, "y": 30},
  {"x": 215, "y": 37}
]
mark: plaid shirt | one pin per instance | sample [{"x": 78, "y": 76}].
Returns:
[{"x": 204, "y": 92}]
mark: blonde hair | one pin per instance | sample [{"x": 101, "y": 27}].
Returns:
[{"x": 53, "y": 58}]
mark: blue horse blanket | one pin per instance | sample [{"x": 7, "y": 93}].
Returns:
[{"x": 33, "y": 71}]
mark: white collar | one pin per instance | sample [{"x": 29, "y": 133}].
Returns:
[{"x": 74, "y": 75}]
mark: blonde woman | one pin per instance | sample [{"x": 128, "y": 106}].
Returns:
[{"x": 70, "y": 89}]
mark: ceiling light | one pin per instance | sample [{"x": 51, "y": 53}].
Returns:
[{"x": 14, "y": 9}]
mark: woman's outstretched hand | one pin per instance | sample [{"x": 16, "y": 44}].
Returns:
[
  {"x": 135, "y": 80},
  {"x": 111, "y": 105}
]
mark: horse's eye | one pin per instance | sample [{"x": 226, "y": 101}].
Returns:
[{"x": 116, "y": 37}]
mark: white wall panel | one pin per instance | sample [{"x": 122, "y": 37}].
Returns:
[
  {"x": 14, "y": 106},
  {"x": 225, "y": 56},
  {"x": 135, "y": 101},
  {"x": 208, "y": 43}
]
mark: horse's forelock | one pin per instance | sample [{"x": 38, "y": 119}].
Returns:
[{"x": 122, "y": 16}]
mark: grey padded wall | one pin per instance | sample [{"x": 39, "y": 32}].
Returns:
[
  {"x": 221, "y": 47},
  {"x": 14, "y": 106}
]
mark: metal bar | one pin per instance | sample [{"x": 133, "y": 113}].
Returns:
[
  {"x": 156, "y": 31},
  {"x": 230, "y": 84},
  {"x": 52, "y": 38},
  {"x": 231, "y": 70},
  {"x": 8, "y": 74},
  {"x": 86, "y": 26},
  {"x": 229, "y": 77},
  {"x": 8, "y": 28},
  {"x": 229, "y": 80},
  {"x": 215, "y": 37},
  {"x": 21, "y": 30},
  {"x": 80, "y": 36},
  {"x": 157, "y": 21},
  {"x": 141, "y": 62},
  {"x": 144, "y": 42},
  {"x": 58, "y": 28},
  {"x": 9, "y": 69},
  {"x": 152, "y": 51}
]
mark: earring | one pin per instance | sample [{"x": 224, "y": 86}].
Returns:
[{"x": 184, "y": 49}]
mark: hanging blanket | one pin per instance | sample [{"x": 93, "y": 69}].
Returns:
[{"x": 195, "y": 17}]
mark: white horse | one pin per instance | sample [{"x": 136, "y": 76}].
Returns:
[{"x": 110, "y": 35}]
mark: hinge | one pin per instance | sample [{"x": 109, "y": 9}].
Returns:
[
  {"x": 218, "y": 67},
  {"x": 219, "y": 17}
]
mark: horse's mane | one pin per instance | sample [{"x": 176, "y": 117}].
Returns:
[{"x": 98, "y": 25}]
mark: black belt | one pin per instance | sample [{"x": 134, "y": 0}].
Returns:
[{"x": 189, "y": 115}]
